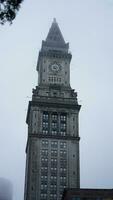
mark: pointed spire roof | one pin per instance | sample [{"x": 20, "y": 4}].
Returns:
[
  {"x": 55, "y": 40},
  {"x": 55, "y": 34}
]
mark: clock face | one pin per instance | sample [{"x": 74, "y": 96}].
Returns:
[{"x": 55, "y": 67}]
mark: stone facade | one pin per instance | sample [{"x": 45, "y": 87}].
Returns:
[{"x": 52, "y": 151}]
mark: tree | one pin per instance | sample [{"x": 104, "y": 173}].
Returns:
[{"x": 8, "y": 10}]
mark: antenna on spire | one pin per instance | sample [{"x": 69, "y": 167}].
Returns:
[{"x": 54, "y": 20}]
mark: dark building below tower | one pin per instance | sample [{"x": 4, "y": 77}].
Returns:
[{"x": 87, "y": 194}]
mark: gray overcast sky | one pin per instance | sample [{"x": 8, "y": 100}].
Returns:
[{"x": 88, "y": 26}]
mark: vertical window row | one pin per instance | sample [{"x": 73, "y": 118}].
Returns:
[
  {"x": 53, "y": 168},
  {"x": 63, "y": 124},
  {"x": 44, "y": 170},
  {"x": 45, "y": 123},
  {"x": 63, "y": 164},
  {"x": 54, "y": 123}
]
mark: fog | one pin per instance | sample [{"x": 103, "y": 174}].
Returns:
[
  {"x": 6, "y": 190},
  {"x": 88, "y": 27}
]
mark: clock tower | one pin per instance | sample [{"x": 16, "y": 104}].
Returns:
[{"x": 52, "y": 151}]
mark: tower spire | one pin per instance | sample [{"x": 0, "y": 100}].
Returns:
[
  {"x": 54, "y": 39},
  {"x": 55, "y": 34}
]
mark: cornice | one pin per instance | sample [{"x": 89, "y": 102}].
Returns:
[
  {"x": 33, "y": 136},
  {"x": 52, "y": 103}
]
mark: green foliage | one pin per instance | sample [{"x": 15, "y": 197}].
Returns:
[{"x": 8, "y": 10}]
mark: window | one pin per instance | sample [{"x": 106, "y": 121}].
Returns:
[
  {"x": 53, "y": 196},
  {"x": 54, "y": 79},
  {"x": 63, "y": 178},
  {"x": 45, "y": 125},
  {"x": 62, "y": 169},
  {"x": 63, "y": 144},
  {"x": 54, "y": 144},
  {"x": 63, "y": 153},
  {"x": 44, "y": 159},
  {"x": 63, "y": 133},
  {"x": 54, "y": 125},
  {"x": 63, "y": 126},
  {"x": 63, "y": 117},
  {"x": 51, "y": 79},
  {"x": 54, "y": 117},
  {"x": 44, "y": 152},
  {"x": 54, "y": 132},
  {"x": 62, "y": 186},
  {"x": 53, "y": 186},
  {"x": 44, "y": 162},
  {"x": 53, "y": 163},
  {"x": 63, "y": 162},
  {"x": 53, "y": 180},
  {"x": 45, "y": 143},
  {"x": 44, "y": 187},
  {"x": 45, "y": 116},
  {"x": 53, "y": 169},
  {"x": 53, "y": 177},
  {"x": 44, "y": 168},
  {"x": 43, "y": 196},
  {"x": 44, "y": 171},
  {"x": 53, "y": 189},
  {"x": 53, "y": 153},
  {"x": 43, "y": 177},
  {"x": 53, "y": 160},
  {"x": 45, "y": 132}
]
